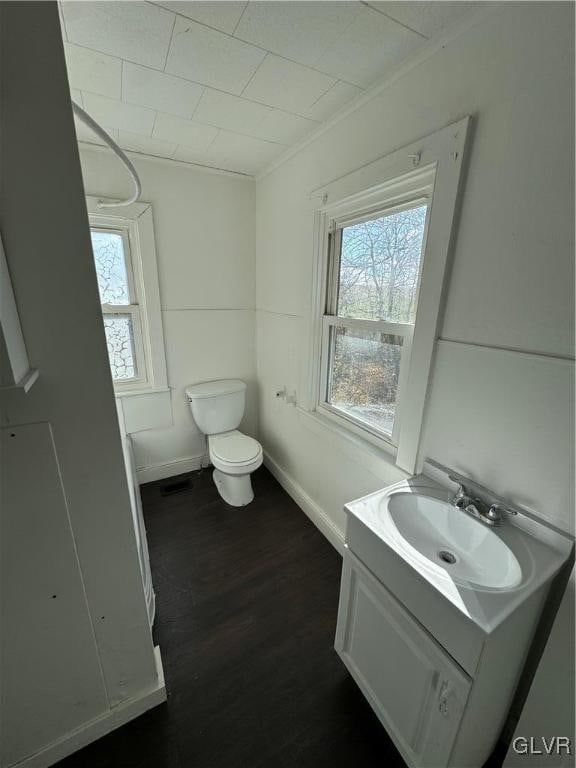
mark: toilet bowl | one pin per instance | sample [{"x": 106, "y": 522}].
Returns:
[
  {"x": 234, "y": 457},
  {"x": 217, "y": 408}
]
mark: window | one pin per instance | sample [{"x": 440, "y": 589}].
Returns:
[
  {"x": 374, "y": 268},
  {"x": 120, "y": 308},
  {"x": 382, "y": 239},
  {"x": 125, "y": 260}
]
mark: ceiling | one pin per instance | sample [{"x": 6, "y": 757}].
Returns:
[{"x": 232, "y": 85}]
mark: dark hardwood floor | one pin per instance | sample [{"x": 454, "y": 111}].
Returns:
[{"x": 246, "y": 613}]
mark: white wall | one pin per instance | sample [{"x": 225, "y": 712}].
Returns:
[
  {"x": 549, "y": 708},
  {"x": 500, "y": 399},
  {"x": 204, "y": 228},
  {"x": 500, "y": 406}
]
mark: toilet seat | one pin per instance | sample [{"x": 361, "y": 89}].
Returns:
[{"x": 234, "y": 452}]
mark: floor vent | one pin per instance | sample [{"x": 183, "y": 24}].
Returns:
[{"x": 179, "y": 486}]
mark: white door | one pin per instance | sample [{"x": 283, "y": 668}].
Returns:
[{"x": 414, "y": 686}]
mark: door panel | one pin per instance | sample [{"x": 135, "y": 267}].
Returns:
[{"x": 51, "y": 677}]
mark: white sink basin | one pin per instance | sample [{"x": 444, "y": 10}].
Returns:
[
  {"x": 411, "y": 538},
  {"x": 468, "y": 551}
]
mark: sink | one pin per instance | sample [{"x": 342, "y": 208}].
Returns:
[
  {"x": 429, "y": 554},
  {"x": 470, "y": 552},
  {"x": 437, "y": 615}
]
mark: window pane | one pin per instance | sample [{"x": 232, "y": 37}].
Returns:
[
  {"x": 120, "y": 340},
  {"x": 364, "y": 370},
  {"x": 108, "y": 248},
  {"x": 380, "y": 265}
]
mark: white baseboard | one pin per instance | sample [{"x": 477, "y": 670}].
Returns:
[
  {"x": 170, "y": 469},
  {"x": 318, "y": 516},
  {"x": 100, "y": 726}
]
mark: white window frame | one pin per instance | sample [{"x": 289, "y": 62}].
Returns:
[
  {"x": 135, "y": 224},
  {"x": 430, "y": 170},
  {"x": 416, "y": 193}
]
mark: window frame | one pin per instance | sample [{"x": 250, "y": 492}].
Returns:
[
  {"x": 135, "y": 224},
  {"x": 331, "y": 319},
  {"x": 428, "y": 169},
  {"x": 132, "y": 309}
]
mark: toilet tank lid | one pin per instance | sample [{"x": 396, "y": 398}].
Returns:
[{"x": 214, "y": 388}]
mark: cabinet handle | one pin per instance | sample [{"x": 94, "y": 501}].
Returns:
[{"x": 445, "y": 691}]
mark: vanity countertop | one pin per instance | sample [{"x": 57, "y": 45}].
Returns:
[{"x": 540, "y": 550}]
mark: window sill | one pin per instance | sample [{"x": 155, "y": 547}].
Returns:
[
  {"x": 378, "y": 461},
  {"x": 141, "y": 391}
]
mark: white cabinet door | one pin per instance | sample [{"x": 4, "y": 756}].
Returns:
[{"x": 414, "y": 686}]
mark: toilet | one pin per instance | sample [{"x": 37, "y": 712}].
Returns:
[{"x": 217, "y": 408}]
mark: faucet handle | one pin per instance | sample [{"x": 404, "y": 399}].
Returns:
[
  {"x": 496, "y": 510},
  {"x": 460, "y": 498}
]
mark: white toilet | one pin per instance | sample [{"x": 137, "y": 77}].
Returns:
[{"x": 217, "y": 408}]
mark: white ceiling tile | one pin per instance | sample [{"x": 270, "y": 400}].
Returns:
[
  {"x": 340, "y": 94},
  {"x": 211, "y": 58},
  {"x": 371, "y": 45},
  {"x": 145, "y": 145},
  {"x": 175, "y": 129},
  {"x": 92, "y": 71},
  {"x": 429, "y": 18},
  {"x": 188, "y": 155},
  {"x": 84, "y": 134},
  {"x": 136, "y": 31},
  {"x": 231, "y": 112},
  {"x": 297, "y": 30},
  {"x": 286, "y": 85},
  {"x": 220, "y": 14},
  {"x": 242, "y": 153},
  {"x": 115, "y": 114},
  {"x": 160, "y": 91},
  {"x": 283, "y": 127}
]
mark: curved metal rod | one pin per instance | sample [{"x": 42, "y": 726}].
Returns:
[{"x": 93, "y": 125}]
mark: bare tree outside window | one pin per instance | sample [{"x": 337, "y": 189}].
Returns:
[
  {"x": 114, "y": 288},
  {"x": 365, "y": 371},
  {"x": 380, "y": 265},
  {"x": 378, "y": 281}
]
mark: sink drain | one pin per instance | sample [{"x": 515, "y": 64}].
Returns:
[{"x": 447, "y": 557}]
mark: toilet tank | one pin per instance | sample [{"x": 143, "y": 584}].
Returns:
[{"x": 217, "y": 406}]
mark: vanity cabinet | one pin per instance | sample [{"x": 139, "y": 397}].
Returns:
[
  {"x": 438, "y": 711},
  {"x": 437, "y": 655},
  {"x": 416, "y": 689}
]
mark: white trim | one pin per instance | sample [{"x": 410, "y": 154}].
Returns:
[
  {"x": 170, "y": 468},
  {"x": 21, "y": 373},
  {"x": 411, "y": 62},
  {"x": 312, "y": 510},
  {"x": 136, "y": 220},
  {"x": 377, "y": 326},
  {"x": 25, "y": 383},
  {"x": 568, "y": 359},
  {"x": 144, "y": 390},
  {"x": 431, "y": 167},
  {"x": 346, "y": 422},
  {"x": 86, "y": 145},
  {"x": 100, "y": 726}
]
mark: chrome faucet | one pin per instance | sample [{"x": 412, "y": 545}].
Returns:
[
  {"x": 491, "y": 515},
  {"x": 476, "y": 499}
]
